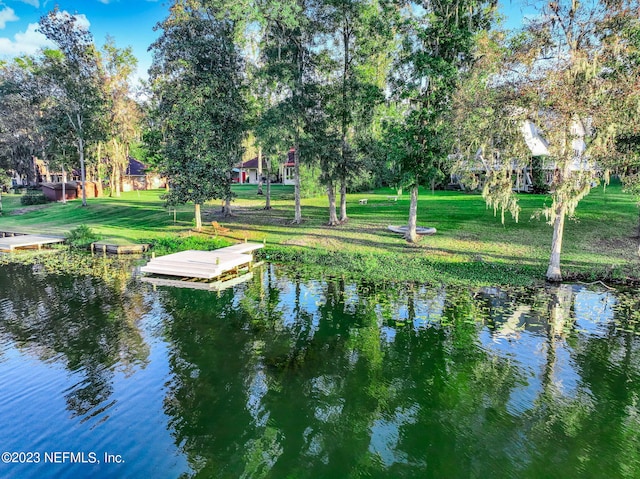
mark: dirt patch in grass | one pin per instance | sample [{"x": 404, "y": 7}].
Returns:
[
  {"x": 297, "y": 242},
  {"x": 626, "y": 247},
  {"x": 28, "y": 209}
]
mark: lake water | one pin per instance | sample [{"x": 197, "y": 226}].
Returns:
[{"x": 293, "y": 378}]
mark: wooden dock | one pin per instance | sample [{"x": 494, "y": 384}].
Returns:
[
  {"x": 206, "y": 265},
  {"x": 207, "y": 286},
  {"x": 11, "y": 243}
]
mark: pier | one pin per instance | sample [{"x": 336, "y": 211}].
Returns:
[
  {"x": 26, "y": 241},
  {"x": 207, "y": 265}
]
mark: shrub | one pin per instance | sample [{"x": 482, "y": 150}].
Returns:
[
  {"x": 310, "y": 186},
  {"x": 33, "y": 197},
  {"x": 81, "y": 237},
  {"x": 172, "y": 244}
]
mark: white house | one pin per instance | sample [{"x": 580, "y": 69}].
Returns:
[
  {"x": 539, "y": 147},
  {"x": 247, "y": 172}
]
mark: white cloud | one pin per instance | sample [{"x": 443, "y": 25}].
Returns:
[
  {"x": 7, "y": 14},
  {"x": 28, "y": 42},
  {"x": 33, "y": 3},
  {"x": 81, "y": 20}
]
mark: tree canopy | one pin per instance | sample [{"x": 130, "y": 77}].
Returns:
[{"x": 200, "y": 108}]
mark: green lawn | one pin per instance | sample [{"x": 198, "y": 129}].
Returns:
[{"x": 471, "y": 244}]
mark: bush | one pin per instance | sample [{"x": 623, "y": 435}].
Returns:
[
  {"x": 174, "y": 244},
  {"x": 81, "y": 237},
  {"x": 310, "y": 186},
  {"x": 33, "y": 197}
]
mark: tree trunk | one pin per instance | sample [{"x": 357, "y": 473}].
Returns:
[
  {"x": 98, "y": 163},
  {"x": 331, "y": 194},
  {"x": 343, "y": 201},
  {"x": 112, "y": 181},
  {"x": 267, "y": 205},
  {"x": 296, "y": 172},
  {"x": 638, "y": 234},
  {"x": 259, "y": 170},
  {"x": 226, "y": 208},
  {"x": 64, "y": 186},
  {"x": 411, "y": 235},
  {"x": 83, "y": 176},
  {"x": 118, "y": 180},
  {"x": 345, "y": 123},
  {"x": 553, "y": 272},
  {"x": 198, "y": 217}
]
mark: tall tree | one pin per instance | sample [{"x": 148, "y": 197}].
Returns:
[
  {"x": 355, "y": 36},
  {"x": 123, "y": 127},
  {"x": 490, "y": 147},
  {"x": 621, "y": 59},
  {"x": 75, "y": 79},
  {"x": 23, "y": 105},
  {"x": 437, "y": 43},
  {"x": 197, "y": 75},
  {"x": 559, "y": 80},
  {"x": 287, "y": 56}
]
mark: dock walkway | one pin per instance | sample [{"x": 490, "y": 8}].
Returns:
[
  {"x": 203, "y": 264},
  {"x": 11, "y": 243}
]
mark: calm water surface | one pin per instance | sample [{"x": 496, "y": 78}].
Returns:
[{"x": 288, "y": 378}]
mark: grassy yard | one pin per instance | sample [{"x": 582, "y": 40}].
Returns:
[{"x": 471, "y": 244}]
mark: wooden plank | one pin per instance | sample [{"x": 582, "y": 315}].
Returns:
[
  {"x": 241, "y": 248},
  {"x": 219, "y": 261},
  {"x": 168, "y": 271},
  {"x": 209, "y": 286}
]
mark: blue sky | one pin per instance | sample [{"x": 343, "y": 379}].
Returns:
[{"x": 130, "y": 22}]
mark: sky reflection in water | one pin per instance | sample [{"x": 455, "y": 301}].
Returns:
[{"x": 281, "y": 377}]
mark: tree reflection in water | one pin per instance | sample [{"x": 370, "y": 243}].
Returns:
[
  {"x": 84, "y": 322},
  {"x": 290, "y": 378}
]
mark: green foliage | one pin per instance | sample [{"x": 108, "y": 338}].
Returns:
[
  {"x": 310, "y": 185},
  {"x": 81, "y": 237},
  {"x": 384, "y": 267},
  {"x": 197, "y": 82},
  {"x": 467, "y": 247},
  {"x": 538, "y": 177},
  {"x": 437, "y": 46},
  {"x": 33, "y": 197},
  {"x": 74, "y": 77},
  {"x": 173, "y": 244}
]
